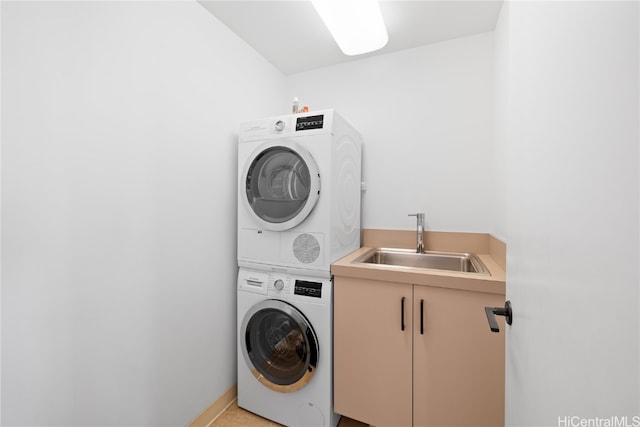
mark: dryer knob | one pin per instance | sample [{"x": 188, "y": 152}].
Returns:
[
  {"x": 279, "y": 125},
  {"x": 278, "y": 284}
]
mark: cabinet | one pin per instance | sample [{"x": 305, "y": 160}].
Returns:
[{"x": 444, "y": 368}]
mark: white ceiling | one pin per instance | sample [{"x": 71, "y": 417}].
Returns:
[{"x": 291, "y": 36}]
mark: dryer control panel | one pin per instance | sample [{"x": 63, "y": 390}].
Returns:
[{"x": 287, "y": 126}]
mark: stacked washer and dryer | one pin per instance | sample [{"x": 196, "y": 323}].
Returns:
[{"x": 299, "y": 192}]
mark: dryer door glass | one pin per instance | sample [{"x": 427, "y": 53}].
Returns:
[
  {"x": 280, "y": 346},
  {"x": 278, "y": 184}
]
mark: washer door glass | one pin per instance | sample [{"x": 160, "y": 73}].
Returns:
[
  {"x": 280, "y": 346},
  {"x": 282, "y": 185}
]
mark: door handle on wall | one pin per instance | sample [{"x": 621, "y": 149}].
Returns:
[{"x": 492, "y": 312}]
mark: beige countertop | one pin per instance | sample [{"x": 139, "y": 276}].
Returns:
[{"x": 490, "y": 251}]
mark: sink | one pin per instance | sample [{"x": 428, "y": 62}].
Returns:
[{"x": 451, "y": 261}]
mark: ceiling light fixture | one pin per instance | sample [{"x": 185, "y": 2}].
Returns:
[{"x": 356, "y": 25}]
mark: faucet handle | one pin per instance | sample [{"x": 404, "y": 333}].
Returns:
[{"x": 419, "y": 216}]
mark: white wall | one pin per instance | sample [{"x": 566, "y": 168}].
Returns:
[
  {"x": 498, "y": 167},
  {"x": 426, "y": 117},
  {"x": 118, "y": 208},
  {"x": 572, "y": 220}
]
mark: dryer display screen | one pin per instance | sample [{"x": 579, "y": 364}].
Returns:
[
  {"x": 309, "y": 122},
  {"x": 308, "y": 289}
]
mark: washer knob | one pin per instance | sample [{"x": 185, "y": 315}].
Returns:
[
  {"x": 278, "y": 284},
  {"x": 279, "y": 125}
]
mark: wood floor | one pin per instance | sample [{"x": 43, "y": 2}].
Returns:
[{"x": 238, "y": 417}]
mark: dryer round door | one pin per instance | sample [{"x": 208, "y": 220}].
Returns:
[
  {"x": 281, "y": 185},
  {"x": 279, "y": 346}
]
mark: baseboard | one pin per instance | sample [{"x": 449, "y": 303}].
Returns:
[{"x": 209, "y": 415}]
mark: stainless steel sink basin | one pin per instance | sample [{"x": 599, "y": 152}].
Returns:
[{"x": 451, "y": 261}]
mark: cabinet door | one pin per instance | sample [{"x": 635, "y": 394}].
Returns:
[
  {"x": 458, "y": 362},
  {"x": 372, "y": 354}
]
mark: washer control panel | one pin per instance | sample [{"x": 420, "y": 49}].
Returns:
[
  {"x": 307, "y": 288},
  {"x": 279, "y": 285},
  {"x": 284, "y": 285}
]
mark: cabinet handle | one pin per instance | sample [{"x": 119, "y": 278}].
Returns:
[
  {"x": 421, "y": 317},
  {"x": 492, "y": 312},
  {"x": 402, "y": 314}
]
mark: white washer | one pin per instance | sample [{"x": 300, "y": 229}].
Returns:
[
  {"x": 299, "y": 179},
  {"x": 285, "y": 348}
]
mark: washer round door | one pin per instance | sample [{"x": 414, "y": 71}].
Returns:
[
  {"x": 281, "y": 185},
  {"x": 279, "y": 346}
]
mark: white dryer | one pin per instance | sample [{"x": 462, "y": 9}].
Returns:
[
  {"x": 285, "y": 348},
  {"x": 298, "y": 192}
]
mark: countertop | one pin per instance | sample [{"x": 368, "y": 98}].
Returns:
[{"x": 493, "y": 283}]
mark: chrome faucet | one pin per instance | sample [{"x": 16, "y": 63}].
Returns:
[{"x": 420, "y": 217}]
